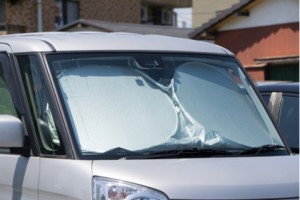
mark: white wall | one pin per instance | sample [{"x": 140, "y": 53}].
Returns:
[
  {"x": 268, "y": 12},
  {"x": 184, "y": 15}
]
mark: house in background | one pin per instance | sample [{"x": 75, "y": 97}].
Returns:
[
  {"x": 204, "y": 10},
  {"x": 108, "y": 27},
  {"x": 264, "y": 35},
  {"x": 17, "y": 16}
]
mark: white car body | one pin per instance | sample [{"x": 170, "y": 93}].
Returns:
[{"x": 46, "y": 177}]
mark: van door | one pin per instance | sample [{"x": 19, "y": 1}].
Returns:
[
  {"x": 53, "y": 144},
  {"x": 18, "y": 175}
]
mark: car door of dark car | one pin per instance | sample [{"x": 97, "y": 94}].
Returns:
[
  {"x": 285, "y": 110},
  {"x": 288, "y": 119}
]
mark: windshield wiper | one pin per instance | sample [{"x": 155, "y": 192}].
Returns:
[
  {"x": 177, "y": 153},
  {"x": 257, "y": 150}
]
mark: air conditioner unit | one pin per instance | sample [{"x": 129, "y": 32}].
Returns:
[
  {"x": 144, "y": 14},
  {"x": 165, "y": 17}
]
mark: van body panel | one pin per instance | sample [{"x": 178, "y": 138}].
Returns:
[
  {"x": 59, "y": 176},
  {"x": 97, "y": 41},
  {"x": 65, "y": 179},
  {"x": 19, "y": 177},
  {"x": 5, "y": 47},
  {"x": 210, "y": 178}
]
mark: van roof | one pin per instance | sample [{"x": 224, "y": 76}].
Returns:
[{"x": 99, "y": 41}]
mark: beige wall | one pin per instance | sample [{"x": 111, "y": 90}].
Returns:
[
  {"x": 279, "y": 12},
  {"x": 203, "y": 10}
]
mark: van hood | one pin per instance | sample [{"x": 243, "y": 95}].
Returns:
[{"x": 210, "y": 178}]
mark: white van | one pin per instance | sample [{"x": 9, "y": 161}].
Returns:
[{"x": 112, "y": 116}]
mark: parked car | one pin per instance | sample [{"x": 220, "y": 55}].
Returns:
[
  {"x": 94, "y": 115},
  {"x": 270, "y": 82},
  {"x": 283, "y": 102}
]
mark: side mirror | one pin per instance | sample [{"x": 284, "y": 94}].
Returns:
[
  {"x": 11, "y": 136},
  {"x": 11, "y": 132}
]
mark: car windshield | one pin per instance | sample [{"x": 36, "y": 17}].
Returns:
[{"x": 148, "y": 102}]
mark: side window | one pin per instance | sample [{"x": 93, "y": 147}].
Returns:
[
  {"x": 289, "y": 121},
  {"x": 6, "y": 103},
  {"x": 40, "y": 106},
  {"x": 266, "y": 98},
  {"x": 7, "y": 106},
  {"x": 66, "y": 12}
]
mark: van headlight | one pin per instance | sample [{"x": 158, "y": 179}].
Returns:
[{"x": 109, "y": 189}]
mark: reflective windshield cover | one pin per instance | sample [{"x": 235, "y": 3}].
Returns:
[{"x": 148, "y": 102}]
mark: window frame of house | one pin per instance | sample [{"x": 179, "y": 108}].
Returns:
[{"x": 64, "y": 10}]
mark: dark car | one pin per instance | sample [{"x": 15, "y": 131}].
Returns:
[{"x": 283, "y": 102}]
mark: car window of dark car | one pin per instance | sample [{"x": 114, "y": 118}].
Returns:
[
  {"x": 266, "y": 98},
  {"x": 289, "y": 121}
]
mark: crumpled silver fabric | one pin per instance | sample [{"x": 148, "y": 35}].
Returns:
[{"x": 190, "y": 133}]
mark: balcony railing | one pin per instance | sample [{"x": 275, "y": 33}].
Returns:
[{"x": 11, "y": 29}]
